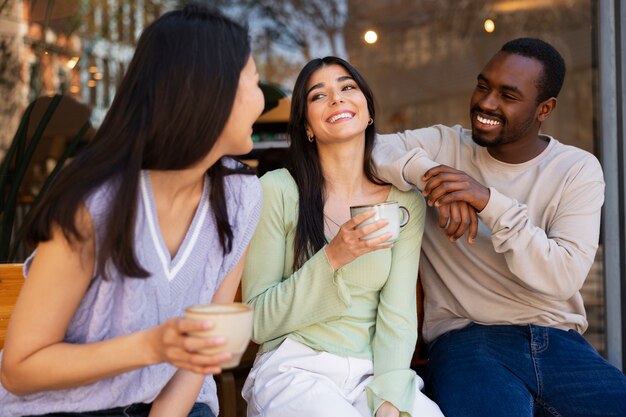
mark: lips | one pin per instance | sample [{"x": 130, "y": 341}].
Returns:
[{"x": 341, "y": 115}]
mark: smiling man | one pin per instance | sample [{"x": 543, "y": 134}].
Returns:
[{"x": 503, "y": 310}]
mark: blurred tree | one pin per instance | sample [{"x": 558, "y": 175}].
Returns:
[{"x": 288, "y": 33}]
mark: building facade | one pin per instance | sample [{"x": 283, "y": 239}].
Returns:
[{"x": 78, "y": 48}]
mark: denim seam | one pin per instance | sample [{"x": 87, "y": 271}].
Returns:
[
  {"x": 549, "y": 408},
  {"x": 539, "y": 348},
  {"x": 533, "y": 352}
]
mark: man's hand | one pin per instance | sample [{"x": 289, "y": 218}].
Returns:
[
  {"x": 445, "y": 185},
  {"x": 458, "y": 197},
  {"x": 457, "y": 218}
]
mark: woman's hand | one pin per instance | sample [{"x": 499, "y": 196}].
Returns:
[
  {"x": 347, "y": 245},
  {"x": 170, "y": 342},
  {"x": 387, "y": 410}
]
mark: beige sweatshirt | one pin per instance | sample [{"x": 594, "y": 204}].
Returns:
[{"x": 537, "y": 236}]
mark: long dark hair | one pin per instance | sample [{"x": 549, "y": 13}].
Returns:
[
  {"x": 168, "y": 112},
  {"x": 305, "y": 165}
]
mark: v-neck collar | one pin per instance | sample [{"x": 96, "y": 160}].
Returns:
[{"x": 170, "y": 266}]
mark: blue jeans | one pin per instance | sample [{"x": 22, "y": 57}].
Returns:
[
  {"x": 133, "y": 410},
  {"x": 522, "y": 371}
]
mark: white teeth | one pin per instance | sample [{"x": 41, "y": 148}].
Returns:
[
  {"x": 487, "y": 121},
  {"x": 340, "y": 116}
]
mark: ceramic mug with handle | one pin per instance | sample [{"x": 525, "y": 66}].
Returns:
[{"x": 397, "y": 216}]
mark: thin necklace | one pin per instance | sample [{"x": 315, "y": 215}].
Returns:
[{"x": 332, "y": 221}]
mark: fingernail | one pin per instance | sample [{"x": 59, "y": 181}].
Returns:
[
  {"x": 219, "y": 339},
  {"x": 207, "y": 324}
]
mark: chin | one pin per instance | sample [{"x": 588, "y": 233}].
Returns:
[
  {"x": 245, "y": 147},
  {"x": 482, "y": 141}
]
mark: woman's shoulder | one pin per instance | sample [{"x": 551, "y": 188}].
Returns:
[
  {"x": 241, "y": 186},
  {"x": 98, "y": 200},
  {"x": 279, "y": 181},
  {"x": 278, "y": 177},
  {"x": 411, "y": 198}
]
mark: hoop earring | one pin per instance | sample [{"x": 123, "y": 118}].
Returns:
[
  {"x": 310, "y": 138},
  {"x": 369, "y": 123}
]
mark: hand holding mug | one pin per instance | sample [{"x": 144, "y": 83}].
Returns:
[
  {"x": 172, "y": 342},
  {"x": 350, "y": 242},
  {"x": 397, "y": 216},
  {"x": 231, "y": 322}
]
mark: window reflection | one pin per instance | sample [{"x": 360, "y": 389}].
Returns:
[{"x": 422, "y": 66}]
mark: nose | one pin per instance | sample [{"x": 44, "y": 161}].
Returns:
[
  {"x": 488, "y": 101},
  {"x": 336, "y": 97}
]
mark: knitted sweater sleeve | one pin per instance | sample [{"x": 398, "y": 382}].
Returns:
[
  {"x": 554, "y": 260},
  {"x": 403, "y": 158},
  {"x": 396, "y": 322}
]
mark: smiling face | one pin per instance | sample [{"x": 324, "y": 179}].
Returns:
[
  {"x": 336, "y": 106},
  {"x": 504, "y": 108}
]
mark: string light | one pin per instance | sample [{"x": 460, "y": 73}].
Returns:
[
  {"x": 489, "y": 25},
  {"x": 370, "y": 36}
]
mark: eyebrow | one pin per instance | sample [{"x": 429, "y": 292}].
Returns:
[
  {"x": 510, "y": 88},
  {"x": 320, "y": 85}
]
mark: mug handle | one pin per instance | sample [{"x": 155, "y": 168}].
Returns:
[{"x": 405, "y": 216}]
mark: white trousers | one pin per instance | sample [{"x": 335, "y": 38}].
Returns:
[{"x": 295, "y": 380}]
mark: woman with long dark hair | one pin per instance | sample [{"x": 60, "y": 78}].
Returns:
[
  {"x": 334, "y": 313},
  {"x": 150, "y": 218}
]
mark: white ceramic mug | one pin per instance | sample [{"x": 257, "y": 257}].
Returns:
[
  {"x": 397, "y": 216},
  {"x": 232, "y": 321}
]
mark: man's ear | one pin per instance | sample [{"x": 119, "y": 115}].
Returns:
[{"x": 545, "y": 108}]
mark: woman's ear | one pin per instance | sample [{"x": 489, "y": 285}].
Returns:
[{"x": 309, "y": 132}]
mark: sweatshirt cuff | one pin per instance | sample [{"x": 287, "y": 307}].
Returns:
[
  {"x": 415, "y": 169},
  {"x": 496, "y": 206},
  {"x": 397, "y": 387}
]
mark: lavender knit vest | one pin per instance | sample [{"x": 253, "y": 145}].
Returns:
[{"x": 121, "y": 305}]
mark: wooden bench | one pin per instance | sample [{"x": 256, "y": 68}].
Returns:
[
  {"x": 419, "y": 355},
  {"x": 11, "y": 280}
]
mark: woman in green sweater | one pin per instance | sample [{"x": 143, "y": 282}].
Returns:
[{"x": 335, "y": 314}]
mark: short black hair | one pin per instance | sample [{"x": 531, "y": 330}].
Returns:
[{"x": 551, "y": 81}]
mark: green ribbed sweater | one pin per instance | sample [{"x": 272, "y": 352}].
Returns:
[{"x": 365, "y": 309}]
